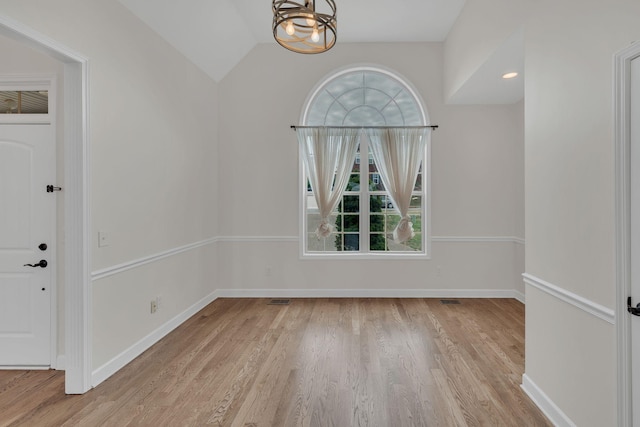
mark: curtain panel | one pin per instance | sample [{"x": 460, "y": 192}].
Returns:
[
  {"x": 328, "y": 155},
  {"x": 398, "y": 153}
]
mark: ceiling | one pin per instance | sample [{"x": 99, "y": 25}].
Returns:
[{"x": 217, "y": 34}]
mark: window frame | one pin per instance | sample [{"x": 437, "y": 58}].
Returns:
[{"x": 364, "y": 204}]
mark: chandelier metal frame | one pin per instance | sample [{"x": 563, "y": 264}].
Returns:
[{"x": 294, "y": 25}]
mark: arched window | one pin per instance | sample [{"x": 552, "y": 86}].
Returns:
[{"x": 365, "y": 218}]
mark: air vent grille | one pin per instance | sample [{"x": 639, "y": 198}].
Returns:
[{"x": 279, "y": 302}]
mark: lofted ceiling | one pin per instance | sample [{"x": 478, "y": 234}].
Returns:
[{"x": 216, "y": 34}]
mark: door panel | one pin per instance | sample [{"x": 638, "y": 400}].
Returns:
[
  {"x": 27, "y": 219},
  {"x": 15, "y": 167}
]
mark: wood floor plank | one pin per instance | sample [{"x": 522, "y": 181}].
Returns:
[{"x": 315, "y": 362}]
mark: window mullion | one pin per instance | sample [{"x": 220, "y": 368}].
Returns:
[{"x": 364, "y": 195}]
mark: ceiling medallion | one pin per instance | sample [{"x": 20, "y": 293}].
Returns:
[{"x": 303, "y": 29}]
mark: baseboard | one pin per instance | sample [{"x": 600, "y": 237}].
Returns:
[
  {"x": 24, "y": 368},
  {"x": 546, "y": 405},
  {"x": 519, "y": 296},
  {"x": 118, "y": 362},
  {"x": 370, "y": 293}
]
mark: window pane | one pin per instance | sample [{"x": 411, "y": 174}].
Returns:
[
  {"x": 416, "y": 203},
  {"x": 376, "y": 223},
  {"x": 314, "y": 244},
  {"x": 351, "y": 223},
  {"x": 377, "y": 203},
  {"x": 418, "y": 186},
  {"x": 313, "y": 220},
  {"x": 351, "y": 204},
  {"x": 24, "y": 102},
  {"x": 377, "y": 242},
  {"x": 375, "y": 182},
  {"x": 354, "y": 183},
  {"x": 412, "y": 245},
  {"x": 351, "y": 242}
]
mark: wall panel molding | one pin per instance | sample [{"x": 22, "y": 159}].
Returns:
[
  {"x": 576, "y": 300},
  {"x": 478, "y": 239}
]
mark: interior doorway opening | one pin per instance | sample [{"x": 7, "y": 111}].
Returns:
[{"x": 76, "y": 201}]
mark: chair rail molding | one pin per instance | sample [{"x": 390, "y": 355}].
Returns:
[
  {"x": 119, "y": 268},
  {"x": 591, "y": 307}
]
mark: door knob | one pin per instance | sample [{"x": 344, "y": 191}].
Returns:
[
  {"x": 631, "y": 309},
  {"x": 43, "y": 263}
]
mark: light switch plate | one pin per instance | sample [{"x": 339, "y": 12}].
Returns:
[{"x": 103, "y": 239}]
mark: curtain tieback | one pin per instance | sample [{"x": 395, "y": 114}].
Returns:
[
  {"x": 324, "y": 229},
  {"x": 404, "y": 230}
]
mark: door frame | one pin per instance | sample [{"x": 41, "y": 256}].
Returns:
[
  {"x": 78, "y": 308},
  {"x": 622, "y": 124},
  {"x": 41, "y": 82}
]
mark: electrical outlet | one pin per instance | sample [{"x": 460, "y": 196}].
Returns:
[{"x": 154, "y": 306}]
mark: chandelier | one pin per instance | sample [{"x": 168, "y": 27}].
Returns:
[{"x": 300, "y": 28}]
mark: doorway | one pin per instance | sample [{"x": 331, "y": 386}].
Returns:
[
  {"x": 76, "y": 201},
  {"x": 627, "y": 126}
]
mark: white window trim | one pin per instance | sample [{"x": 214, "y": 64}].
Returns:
[{"x": 426, "y": 193}]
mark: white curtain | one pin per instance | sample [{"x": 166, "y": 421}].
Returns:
[
  {"x": 398, "y": 153},
  {"x": 328, "y": 155}
]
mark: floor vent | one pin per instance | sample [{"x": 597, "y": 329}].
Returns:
[
  {"x": 449, "y": 301},
  {"x": 279, "y": 302}
]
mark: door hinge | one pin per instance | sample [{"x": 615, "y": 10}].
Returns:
[{"x": 51, "y": 188}]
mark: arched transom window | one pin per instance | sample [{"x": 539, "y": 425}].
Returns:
[{"x": 364, "y": 97}]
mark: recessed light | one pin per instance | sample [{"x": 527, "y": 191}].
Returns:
[{"x": 509, "y": 75}]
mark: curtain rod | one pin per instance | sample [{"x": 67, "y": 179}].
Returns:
[{"x": 294, "y": 127}]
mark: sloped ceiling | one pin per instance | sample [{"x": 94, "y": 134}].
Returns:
[{"x": 216, "y": 34}]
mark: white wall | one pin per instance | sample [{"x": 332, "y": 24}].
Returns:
[
  {"x": 570, "y": 354},
  {"x": 480, "y": 30},
  {"x": 476, "y": 182},
  {"x": 153, "y": 144}
]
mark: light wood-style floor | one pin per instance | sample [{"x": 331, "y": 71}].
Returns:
[{"x": 315, "y": 362}]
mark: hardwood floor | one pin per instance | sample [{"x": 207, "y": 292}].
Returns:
[{"x": 315, "y": 362}]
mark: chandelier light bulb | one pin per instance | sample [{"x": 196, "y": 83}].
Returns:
[
  {"x": 310, "y": 21},
  {"x": 315, "y": 37},
  {"x": 290, "y": 29}
]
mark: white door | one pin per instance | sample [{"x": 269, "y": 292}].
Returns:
[
  {"x": 635, "y": 237},
  {"x": 27, "y": 221}
]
